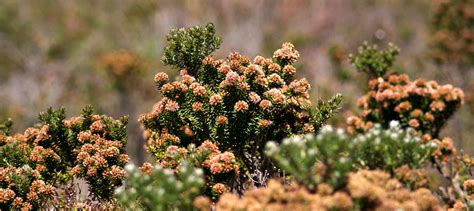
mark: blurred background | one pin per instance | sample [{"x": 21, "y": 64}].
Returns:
[{"x": 76, "y": 52}]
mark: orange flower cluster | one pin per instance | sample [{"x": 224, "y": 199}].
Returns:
[
  {"x": 215, "y": 161},
  {"x": 424, "y": 106},
  {"x": 414, "y": 178},
  {"x": 281, "y": 197},
  {"x": 24, "y": 188},
  {"x": 381, "y": 191},
  {"x": 89, "y": 146},
  {"x": 445, "y": 149},
  {"x": 469, "y": 189},
  {"x": 365, "y": 190},
  {"x": 99, "y": 157},
  {"x": 229, "y": 102}
]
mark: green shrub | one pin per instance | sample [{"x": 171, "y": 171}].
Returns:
[
  {"x": 329, "y": 156},
  {"x": 373, "y": 62},
  {"x": 236, "y": 104},
  {"x": 157, "y": 188}
]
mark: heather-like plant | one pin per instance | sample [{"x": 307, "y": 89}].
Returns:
[
  {"x": 389, "y": 149},
  {"x": 89, "y": 146},
  {"x": 219, "y": 167},
  {"x": 157, "y": 188},
  {"x": 312, "y": 160},
  {"x": 236, "y": 104},
  {"x": 365, "y": 190},
  {"x": 23, "y": 188},
  {"x": 332, "y": 154},
  {"x": 187, "y": 47},
  {"x": 373, "y": 62},
  {"x": 456, "y": 170},
  {"x": 423, "y": 106},
  {"x": 100, "y": 154}
]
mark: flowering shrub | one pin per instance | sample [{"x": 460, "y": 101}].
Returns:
[
  {"x": 332, "y": 154},
  {"x": 457, "y": 173},
  {"x": 237, "y": 104},
  {"x": 89, "y": 146},
  {"x": 423, "y": 106},
  {"x": 365, "y": 190},
  {"x": 452, "y": 32},
  {"x": 100, "y": 156},
  {"x": 23, "y": 188},
  {"x": 157, "y": 188},
  {"x": 218, "y": 167}
]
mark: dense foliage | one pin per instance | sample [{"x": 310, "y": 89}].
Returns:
[
  {"x": 156, "y": 188},
  {"x": 332, "y": 154},
  {"x": 373, "y": 62},
  {"x": 236, "y": 105},
  {"x": 56, "y": 150}
]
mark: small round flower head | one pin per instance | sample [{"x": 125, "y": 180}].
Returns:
[
  {"x": 241, "y": 106},
  {"x": 197, "y": 106},
  {"x": 287, "y": 53},
  {"x": 265, "y": 104},
  {"x": 264, "y": 123},
  {"x": 219, "y": 188},
  {"x": 289, "y": 70},
  {"x": 215, "y": 100},
  {"x": 161, "y": 77},
  {"x": 172, "y": 106},
  {"x": 254, "y": 97},
  {"x": 224, "y": 69},
  {"x": 414, "y": 123},
  {"x": 222, "y": 120},
  {"x": 274, "y": 67}
]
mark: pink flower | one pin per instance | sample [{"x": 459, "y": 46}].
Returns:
[
  {"x": 241, "y": 106},
  {"x": 172, "y": 106},
  {"x": 265, "y": 104},
  {"x": 197, "y": 106},
  {"x": 222, "y": 120},
  {"x": 264, "y": 123},
  {"x": 254, "y": 97},
  {"x": 161, "y": 77},
  {"x": 215, "y": 99},
  {"x": 199, "y": 91},
  {"x": 287, "y": 52},
  {"x": 219, "y": 188}
]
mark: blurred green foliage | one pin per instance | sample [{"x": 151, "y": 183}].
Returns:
[
  {"x": 187, "y": 47},
  {"x": 373, "y": 62}
]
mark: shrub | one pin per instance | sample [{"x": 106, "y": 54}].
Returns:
[
  {"x": 23, "y": 188},
  {"x": 373, "y": 62},
  {"x": 90, "y": 146},
  {"x": 236, "y": 104},
  {"x": 365, "y": 190},
  {"x": 423, "y": 106},
  {"x": 157, "y": 188},
  {"x": 100, "y": 154},
  {"x": 332, "y": 154}
]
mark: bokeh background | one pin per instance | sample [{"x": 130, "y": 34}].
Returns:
[{"x": 76, "y": 52}]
